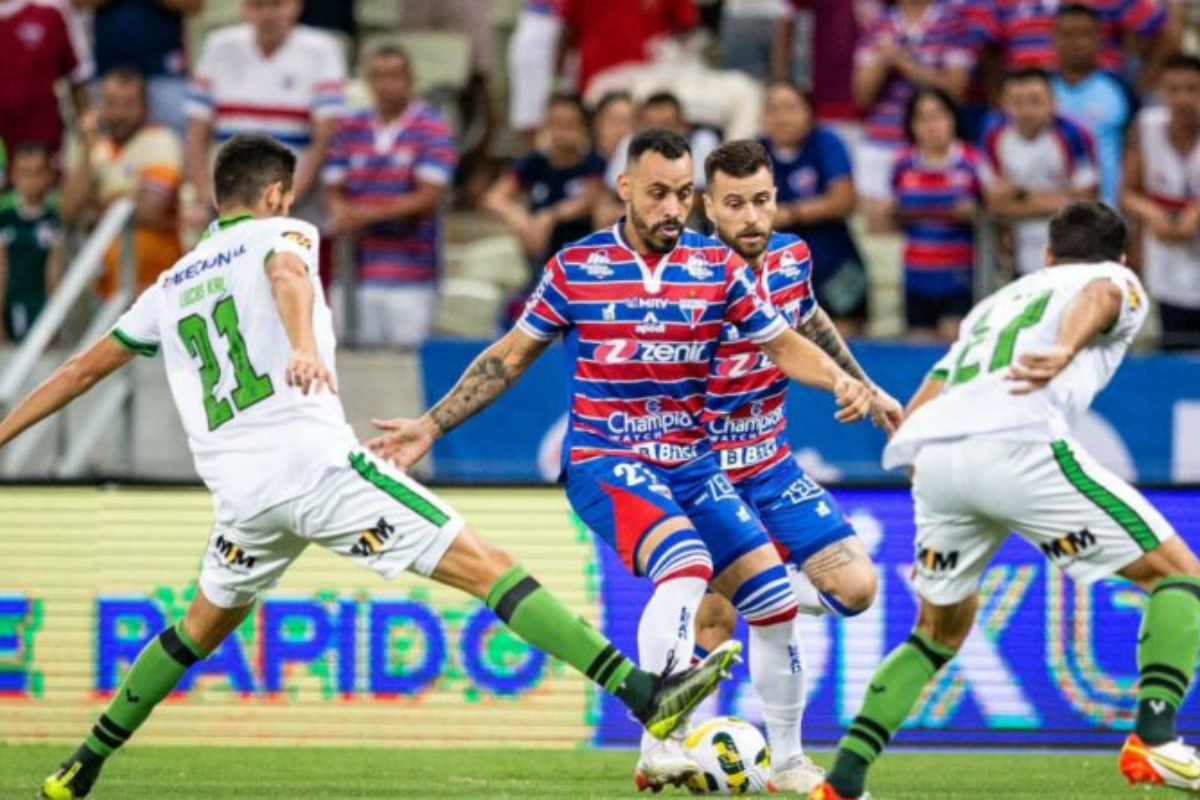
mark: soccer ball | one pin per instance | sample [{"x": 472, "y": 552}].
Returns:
[{"x": 732, "y": 755}]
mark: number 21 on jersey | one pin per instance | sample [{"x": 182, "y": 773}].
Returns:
[
  {"x": 1006, "y": 342},
  {"x": 251, "y": 387}
]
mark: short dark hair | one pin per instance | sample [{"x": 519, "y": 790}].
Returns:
[
  {"x": 247, "y": 165},
  {"x": 1087, "y": 231},
  {"x": 1078, "y": 9},
  {"x": 1180, "y": 61},
  {"x": 803, "y": 92},
  {"x": 126, "y": 75},
  {"x": 943, "y": 97},
  {"x": 570, "y": 99},
  {"x": 663, "y": 99},
  {"x": 668, "y": 144},
  {"x": 30, "y": 148},
  {"x": 740, "y": 158},
  {"x": 608, "y": 98},
  {"x": 385, "y": 50},
  {"x": 1027, "y": 74}
]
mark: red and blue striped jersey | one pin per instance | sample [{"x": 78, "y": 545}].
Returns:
[
  {"x": 940, "y": 41},
  {"x": 939, "y": 249},
  {"x": 1024, "y": 29},
  {"x": 745, "y": 411},
  {"x": 374, "y": 164},
  {"x": 642, "y": 340}
]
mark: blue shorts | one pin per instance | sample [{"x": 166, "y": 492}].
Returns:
[
  {"x": 800, "y": 516},
  {"x": 623, "y": 499}
]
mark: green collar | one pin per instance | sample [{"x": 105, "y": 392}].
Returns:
[{"x": 226, "y": 222}]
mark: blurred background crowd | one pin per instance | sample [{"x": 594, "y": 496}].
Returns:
[{"x": 447, "y": 147}]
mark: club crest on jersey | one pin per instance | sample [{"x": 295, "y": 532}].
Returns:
[
  {"x": 597, "y": 265},
  {"x": 1135, "y": 297},
  {"x": 299, "y": 238},
  {"x": 693, "y": 309},
  {"x": 697, "y": 268}
]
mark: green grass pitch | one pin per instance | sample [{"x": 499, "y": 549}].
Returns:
[{"x": 214, "y": 773}]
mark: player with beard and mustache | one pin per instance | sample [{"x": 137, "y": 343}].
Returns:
[
  {"x": 641, "y": 307},
  {"x": 745, "y": 415}
]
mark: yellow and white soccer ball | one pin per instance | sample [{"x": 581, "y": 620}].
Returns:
[{"x": 732, "y": 755}]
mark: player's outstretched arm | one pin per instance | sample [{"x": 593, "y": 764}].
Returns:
[
  {"x": 1089, "y": 313},
  {"x": 79, "y": 374},
  {"x": 820, "y": 330},
  {"x": 804, "y": 362},
  {"x": 406, "y": 441},
  {"x": 293, "y": 292}
]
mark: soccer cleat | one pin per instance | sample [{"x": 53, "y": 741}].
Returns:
[
  {"x": 664, "y": 764},
  {"x": 827, "y": 792},
  {"x": 74, "y": 778},
  {"x": 799, "y": 775},
  {"x": 678, "y": 695},
  {"x": 1172, "y": 764}
]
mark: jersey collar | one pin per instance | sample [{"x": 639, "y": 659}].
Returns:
[
  {"x": 223, "y": 223},
  {"x": 651, "y": 278}
]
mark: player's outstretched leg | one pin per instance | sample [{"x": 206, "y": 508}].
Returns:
[
  {"x": 893, "y": 690},
  {"x": 155, "y": 672},
  {"x": 660, "y": 703},
  {"x": 1168, "y": 643}
]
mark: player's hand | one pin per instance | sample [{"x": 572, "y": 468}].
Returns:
[
  {"x": 1034, "y": 370},
  {"x": 305, "y": 371},
  {"x": 1187, "y": 225},
  {"x": 886, "y": 412},
  {"x": 403, "y": 443},
  {"x": 853, "y": 397}
]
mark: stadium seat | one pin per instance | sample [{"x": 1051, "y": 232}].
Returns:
[{"x": 467, "y": 308}]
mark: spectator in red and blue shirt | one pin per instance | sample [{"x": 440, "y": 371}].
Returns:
[
  {"x": 1023, "y": 32},
  {"x": 936, "y": 192},
  {"x": 915, "y": 44},
  {"x": 386, "y": 174},
  {"x": 815, "y": 198}
]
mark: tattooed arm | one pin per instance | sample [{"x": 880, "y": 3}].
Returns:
[
  {"x": 820, "y": 330},
  {"x": 406, "y": 441}
]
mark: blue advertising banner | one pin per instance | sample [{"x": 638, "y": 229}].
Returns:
[
  {"x": 1144, "y": 426},
  {"x": 1048, "y": 663}
]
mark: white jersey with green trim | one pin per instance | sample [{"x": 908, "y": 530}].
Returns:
[
  {"x": 256, "y": 441},
  {"x": 1023, "y": 317}
]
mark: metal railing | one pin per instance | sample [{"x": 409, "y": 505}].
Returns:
[{"x": 18, "y": 374}]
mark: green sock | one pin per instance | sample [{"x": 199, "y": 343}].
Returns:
[
  {"x": 159, "y": 666},
  {"x": 539, "y": 618},
  {"x": 1168, "y": 646},
  {"x": 894, "y": 688}
]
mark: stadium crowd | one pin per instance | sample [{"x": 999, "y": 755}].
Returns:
[{"x": 924, "y": 139}]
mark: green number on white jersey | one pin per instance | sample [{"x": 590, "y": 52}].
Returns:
[
  {"x": 251, "y": 387},
  {"x": 1006, "y": 343}
]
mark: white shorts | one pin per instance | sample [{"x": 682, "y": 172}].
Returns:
[
  {"x": 873, "y": 164},
  {"x": 367, "y": 511},
  {"x": 395, "y": 316},
  {"x": 970, "y": 493}
]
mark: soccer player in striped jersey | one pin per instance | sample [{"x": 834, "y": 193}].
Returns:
[
  {"x": 642, "y": 306},
  {"x": 248, "y": 346},
  {"x": 988, "y": 442},
  {"x": 745, "y": 416}
]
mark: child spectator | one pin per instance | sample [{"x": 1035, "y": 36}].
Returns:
[
  {"x": 936, "y": 191},
  {"x": 31, "y": 248}
]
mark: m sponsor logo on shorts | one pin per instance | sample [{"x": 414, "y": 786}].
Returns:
[
  {"x": 931, "y": 562},
  {"x": 232, "y": 556},
  {"x": 1074, "y": 546},
  {"x": 374, "y": 539}
]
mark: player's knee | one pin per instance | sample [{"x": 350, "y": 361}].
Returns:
[
  {"x": 947, "y": 626},
  {"x": 856, "y": 593}
]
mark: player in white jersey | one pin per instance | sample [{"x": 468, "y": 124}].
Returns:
[
  {"x": 988, "y": 441},
  {"x": 249, "y": 347}
]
